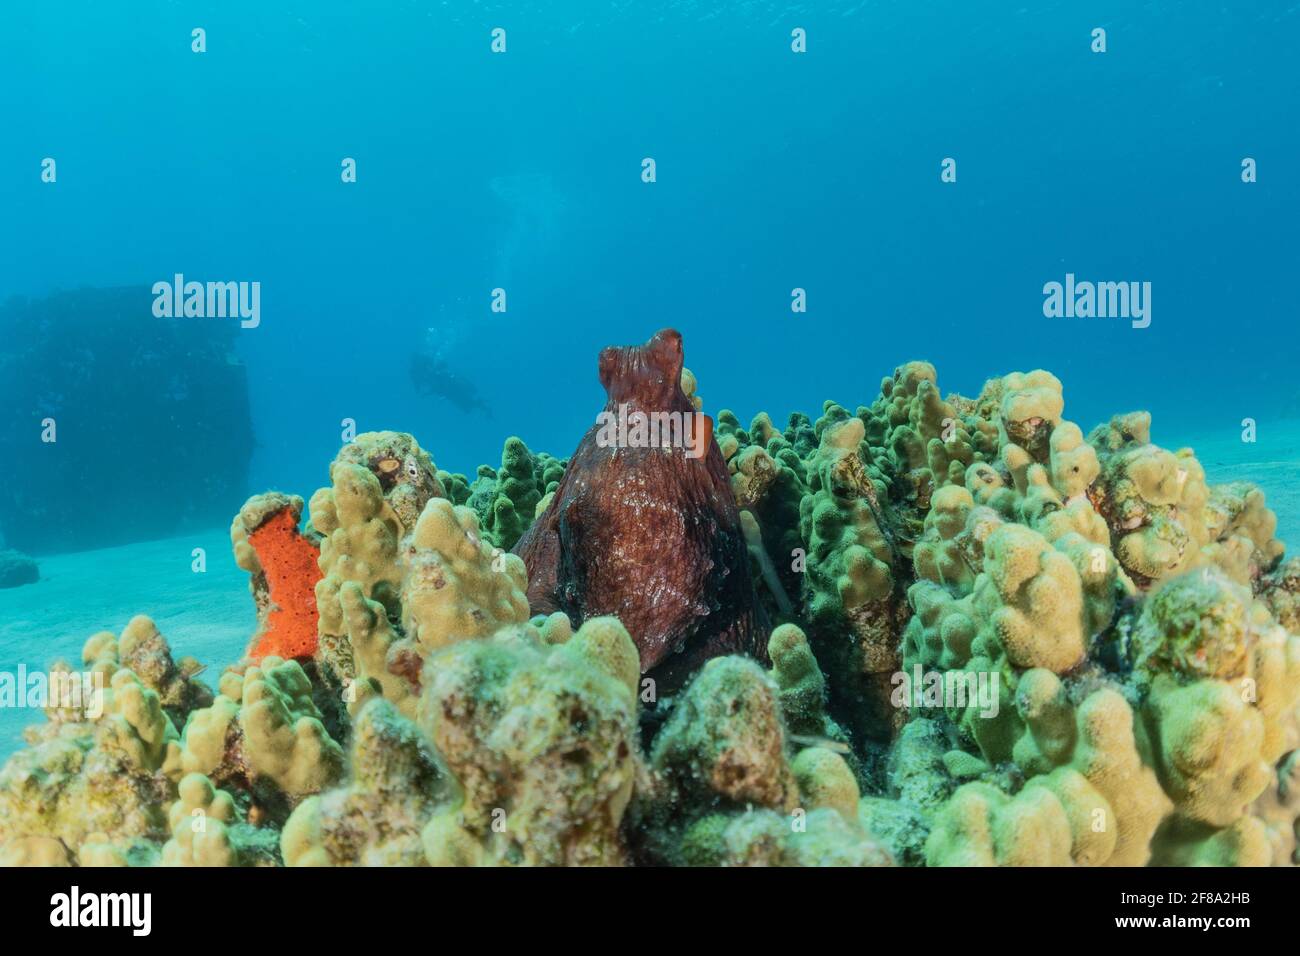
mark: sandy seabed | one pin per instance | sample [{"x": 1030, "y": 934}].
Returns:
[{"x": 210, "y": 615}]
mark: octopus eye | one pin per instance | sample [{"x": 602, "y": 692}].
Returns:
[{"x": 412, "y": 471}]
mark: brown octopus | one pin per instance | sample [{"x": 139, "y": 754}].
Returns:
[{"x": 649, "y": 534}]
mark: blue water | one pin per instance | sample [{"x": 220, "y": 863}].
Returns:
[{"x": 775, "y": 170}]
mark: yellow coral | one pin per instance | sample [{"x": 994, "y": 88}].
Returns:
[{"x": 1032, "y": 600}]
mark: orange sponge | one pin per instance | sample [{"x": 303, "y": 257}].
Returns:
[{"x": 288, "y": 562}]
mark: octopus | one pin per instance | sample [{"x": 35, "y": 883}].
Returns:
[{"x": 647, "y": 532}]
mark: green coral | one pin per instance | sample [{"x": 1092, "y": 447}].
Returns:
[
  {"x": 854, "y": 609},
  {"x": 542, "y": 743},
  {"x": 376, "y": 818},
  {"x": 506, "y": 499},
  {"x": 725, "y": 739},
  {"x": 802, "y": 688},
  {"x": 764, "y": 838},
  {"x": 726, "y": 793}
]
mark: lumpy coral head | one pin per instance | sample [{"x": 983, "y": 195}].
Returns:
[{"x": 648, "y": 532}]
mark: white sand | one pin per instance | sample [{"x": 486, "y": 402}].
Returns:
[{"x": 209, "y": 616}]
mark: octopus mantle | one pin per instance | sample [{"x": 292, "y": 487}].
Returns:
[{"x": 651, "y": 535}]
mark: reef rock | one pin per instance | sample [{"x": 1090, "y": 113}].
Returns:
[
  {"x": 17, "y": 569},
  {"x": 119, "y": 426},
  {"x": 647, "y": 532}
]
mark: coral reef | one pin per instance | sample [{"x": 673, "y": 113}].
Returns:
[
  {"x": 509, "y": 498},
  {"x": 542, "y": 741},
  {"x": 725, "y": 790},
  {"x": 377, "y": 817},
  {"x": 995, "y": 642},
  {"x": 101, "y": 771},
  {"x": 264, "y": 736}
]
